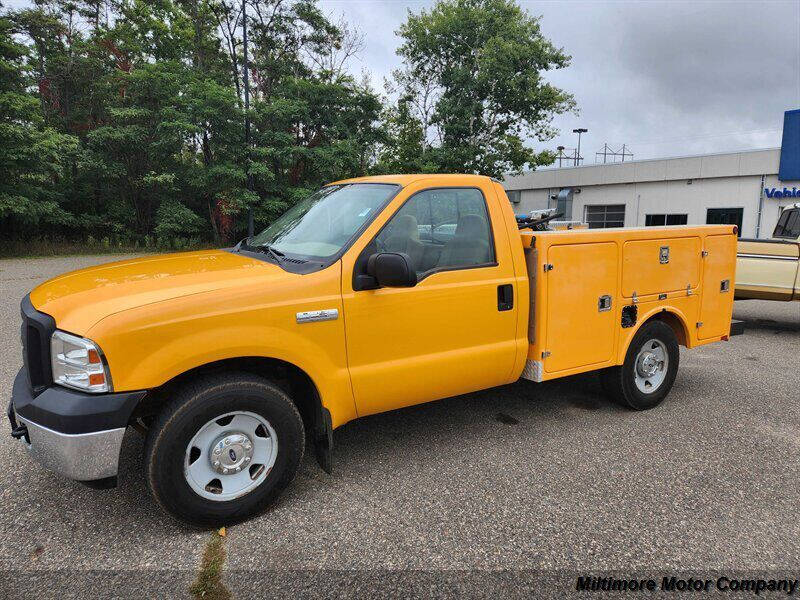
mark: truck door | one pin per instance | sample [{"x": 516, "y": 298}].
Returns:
[
  {"x": 453, "y": 332},
  {"x": 581, "y": 289},
  {"x": 716, "y": 305}
]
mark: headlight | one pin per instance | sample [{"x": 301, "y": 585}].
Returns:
[{"x": 78, "y": 363}]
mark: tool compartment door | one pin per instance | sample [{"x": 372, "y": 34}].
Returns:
[
  {"x": 660, "y": 266},
  {"x": 719, "y": 268},
  {"x": 580, "y": 331}
]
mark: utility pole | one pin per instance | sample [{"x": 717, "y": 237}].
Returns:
[
  {"x": 579, "y": 131},
  {"x": 245, "y": 75}
]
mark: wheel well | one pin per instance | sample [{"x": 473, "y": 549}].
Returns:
[
  {"x": 674, "y": 321},
  {"x": 293, "y": 380}
]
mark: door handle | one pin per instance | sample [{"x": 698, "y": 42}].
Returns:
[
  {"x": 505, "y": 297},
  {"x": 604, "y": 303}
]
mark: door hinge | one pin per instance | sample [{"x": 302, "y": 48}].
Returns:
[
  {"x": 704, "y": 253},
  {"x": 548, "y": 267},
  {"x": 699, "y": 324},
  {"x": 545, "y": 354},
  {"x": 689, "y": 289}
]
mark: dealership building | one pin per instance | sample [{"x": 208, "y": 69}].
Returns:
[{"x": 748, "y": 188}]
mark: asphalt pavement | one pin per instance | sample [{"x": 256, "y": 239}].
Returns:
[{"x": 498, "y": 490}]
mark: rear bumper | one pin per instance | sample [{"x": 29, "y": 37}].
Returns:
[{"x": 74, "y": 434}]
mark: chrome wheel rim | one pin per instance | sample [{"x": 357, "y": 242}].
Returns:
[
  {"x": 230, "y": 456},
  {"x": 651, "y": 366}
]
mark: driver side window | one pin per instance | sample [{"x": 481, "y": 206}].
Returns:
[{"x": 441, "y": 229}]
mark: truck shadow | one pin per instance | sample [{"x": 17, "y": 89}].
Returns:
[
  {"x": 518, "y": 413},
  {"x": 440, "y": 426},
  {"x": 755, "y": 324}
]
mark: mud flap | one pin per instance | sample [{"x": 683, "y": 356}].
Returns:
[{"x": 323, "y": 440}]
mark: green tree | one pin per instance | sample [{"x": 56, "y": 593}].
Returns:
[
  {"x": 312, "y": 121},
  {"x": 473, "y": 72},
  {"x": 405, "y": 149},
  {"x": 32, "y": 155},
  {"x": 134, "y": 115}
]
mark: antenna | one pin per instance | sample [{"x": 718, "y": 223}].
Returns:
[
  {"x": 608, "y": 154},
  {"x": 246, "y": 68},
  {"x": 568, "y": 155}
]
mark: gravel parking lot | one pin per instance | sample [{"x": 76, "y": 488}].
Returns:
[{"x": 537, "y": 479}]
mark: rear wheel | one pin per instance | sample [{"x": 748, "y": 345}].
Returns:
[
  {"x": 223, "y": 449},
  {"x": 649, "y": 370}
]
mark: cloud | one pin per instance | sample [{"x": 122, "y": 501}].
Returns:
[{"x": 667, "y": 79}]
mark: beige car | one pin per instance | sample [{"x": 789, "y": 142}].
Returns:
[{"x": 770, "y": 269}]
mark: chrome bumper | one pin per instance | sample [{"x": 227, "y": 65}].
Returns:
[{"x": 81, "y": 456}]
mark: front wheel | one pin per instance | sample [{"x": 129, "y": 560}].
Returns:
[
  {"x": 223, "y": 449},
  {"x": 649, "y": 370}
]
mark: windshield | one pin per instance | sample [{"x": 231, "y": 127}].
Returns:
[{"x": 319, "y": 226}]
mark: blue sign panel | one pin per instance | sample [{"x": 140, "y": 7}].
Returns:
[{"x": 790, "y": 148}]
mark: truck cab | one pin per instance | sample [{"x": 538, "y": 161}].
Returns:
[{"x": 770, "y": 269}]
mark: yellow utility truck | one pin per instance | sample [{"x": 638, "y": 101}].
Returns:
[
  {"x": 770, "y": 269},
  {"x": 370, "y": 295}
]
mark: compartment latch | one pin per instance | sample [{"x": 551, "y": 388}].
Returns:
[{"x": 604, "y": 303}]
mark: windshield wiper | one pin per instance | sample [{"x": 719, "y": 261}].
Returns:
[{"x": 276, "y": 254}]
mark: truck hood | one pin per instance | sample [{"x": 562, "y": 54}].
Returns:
[{"x": 79, "y": 299}]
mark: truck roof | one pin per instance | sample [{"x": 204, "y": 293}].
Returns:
[{"x": 406, "y": 179}]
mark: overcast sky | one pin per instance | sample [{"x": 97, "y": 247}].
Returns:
[{"x": 667, "y": 79}]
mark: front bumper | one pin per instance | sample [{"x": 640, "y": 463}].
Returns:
[{"x": 74, "y": 434}]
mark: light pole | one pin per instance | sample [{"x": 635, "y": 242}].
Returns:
[
  {"x": 245, "y": 76},
  {"x": 579, "y": 131},
  {"x": 560, "y": 155}
]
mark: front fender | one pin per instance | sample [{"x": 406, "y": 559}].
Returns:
[{"x": 150, "y": 345}]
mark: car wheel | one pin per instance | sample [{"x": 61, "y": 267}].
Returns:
[
  {"x": 223, "y": 449},
  {"x": 649, "y": 370}
]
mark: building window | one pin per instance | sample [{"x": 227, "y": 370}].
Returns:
[
  {"x": 514, "y": 196},
  {"x": 608, "y": 215},
  {"x": 725, "y": 216},
  {"x": 654, "y": 220}
]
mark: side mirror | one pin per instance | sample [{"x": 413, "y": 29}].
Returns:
[{"x": 392, "y": 269}]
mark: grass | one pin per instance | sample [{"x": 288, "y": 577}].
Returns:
[{"x": 208, "y": 584}]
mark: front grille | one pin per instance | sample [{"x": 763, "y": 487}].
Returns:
[{"x": 37, "y": 327}]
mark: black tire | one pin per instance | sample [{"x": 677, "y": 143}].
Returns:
[
  {"x": 619, "y": 383},
  {"x": 195, "y": 405}
]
